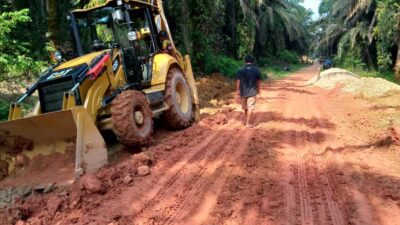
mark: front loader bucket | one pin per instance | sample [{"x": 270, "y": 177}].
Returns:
[{"x": 53, "y": 148}]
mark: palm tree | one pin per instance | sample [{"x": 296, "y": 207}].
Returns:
[
  {"x": 52, "y": 23},
  {"x": 276, "y": 21},
  {"x": 347, "y": 23}
]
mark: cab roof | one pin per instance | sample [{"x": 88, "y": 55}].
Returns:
[{"x": 113, "y": 3}]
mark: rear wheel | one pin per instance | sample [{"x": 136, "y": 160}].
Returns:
[
  {"x": 177, "y": 96},
  {"x": 132, "y": 118}
]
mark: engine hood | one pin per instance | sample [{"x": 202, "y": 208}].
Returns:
[{"x": 85, "y": 59}]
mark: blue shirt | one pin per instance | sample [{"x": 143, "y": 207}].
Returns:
[{"x": 249, "y": 76}]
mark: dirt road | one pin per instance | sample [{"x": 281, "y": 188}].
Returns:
[{"x": 315, "y": 157}]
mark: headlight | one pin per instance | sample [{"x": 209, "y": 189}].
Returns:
[
  {"x": 58, "y": 55},
  {"x": 132, "y": 36}
]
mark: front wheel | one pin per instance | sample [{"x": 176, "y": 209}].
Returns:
[
  {"x": 132, "y": 118},
  {"x": 178, "y": 97}
]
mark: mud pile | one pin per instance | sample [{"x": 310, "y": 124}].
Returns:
[
  {"x": 363, "y": 86},
  {"x": 13, "y": 146},
  {"x": 82, "y": 195},
  {"x": 215, "y": 91}
]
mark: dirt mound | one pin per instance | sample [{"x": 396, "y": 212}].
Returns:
[
  {"x": 215, "y": 91},
  {"x": 363, "y": 86},
  {"x": 85, "y": 194},
  {"x": 15, "y": 144}
]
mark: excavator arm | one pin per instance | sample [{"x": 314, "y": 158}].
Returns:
[{"x": 185, "y": 62}]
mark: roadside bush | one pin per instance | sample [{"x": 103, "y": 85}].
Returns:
[
  {"x": 288, "y": 57},
  {"x": 265, "y": 61},
  {"x": 15, "y": 59},
  {"x": 222, "y": 64},
  {"x": 3, "y": 110},
  {"x": 229, "y": 66},
  {"x": 350, "y": 61}
]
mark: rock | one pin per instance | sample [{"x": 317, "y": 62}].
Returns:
[
  {"x": 168, "y": 148},
  {"x": 20, "y": 222},
  {"x": 143, "y": 170},
  {"x": 143, "y": 159},
  {"x": 21, "y": 160},
  {"x": 113, "y": 223},
  {"x": 214, "y": 102},
  {"x": 92, "y": 184},
  {"x": 54, "y": 204},
  {"x": 128, "y": 179}
]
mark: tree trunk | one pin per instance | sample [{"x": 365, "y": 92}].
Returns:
[
  {"x": 397, "y": 66},
  {"x": 371, "y": 28},
  {"x": 368, "y": 57},
  {"x": 185, "y": 26},
  {"x": 52, "y": 23}
]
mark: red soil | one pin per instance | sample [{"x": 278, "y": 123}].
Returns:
[{"x": 315, "y": 157}]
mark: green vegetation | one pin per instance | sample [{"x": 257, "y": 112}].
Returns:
[
  {"x": 227, "y": 30},
  {"x": 271, "y": 67},
  {"x": 275, "y": 72},
  {"x": 217, "y": 34},
  {"x": 361, "y": 35},
  {"x": 16, "y": 60},
  {"x": 388, "y": 75},
  {"x": 4, "y": 107}
]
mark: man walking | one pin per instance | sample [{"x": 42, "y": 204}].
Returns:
[{"x": 248, "y": 82}]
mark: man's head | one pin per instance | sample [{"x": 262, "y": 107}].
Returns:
[{"x": 249, "y": 59}]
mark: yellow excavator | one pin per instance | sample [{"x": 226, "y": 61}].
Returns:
[{"x": 123, "y": 72}]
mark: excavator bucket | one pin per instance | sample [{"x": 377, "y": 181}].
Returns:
[{"x": 53, "y": 148}]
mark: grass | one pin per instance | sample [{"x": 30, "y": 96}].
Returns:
[
  {"x": 4, "y": 107},
  {"x": 228, "y": 67},
  {"x": 276, "y": 72},
  {"x": 373, "y": 73}
]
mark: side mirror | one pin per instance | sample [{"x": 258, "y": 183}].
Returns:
[{"x": 118, "y": 16}]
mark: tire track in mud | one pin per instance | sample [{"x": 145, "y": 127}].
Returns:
[
  {"x": 298, "y": 206},
  {"x": 204, "y": 182},
  {"x": 168, "y": 183},
  {"x": 193, "y": 180},
  {"x": 177, "y": 175},
  {"x": 223, "y": 159},
  {"x": 309, "y": 195},
  {"x": 211, "y": 196},
  {"x": 365, "y": 214},
  {"x": 134, "y": 203},
  {"x": 288, "y": 172},
  {"x": 212, "y": 177},
  {"x": 302, "y": 179},
  {"x": 334, "y": 214}
]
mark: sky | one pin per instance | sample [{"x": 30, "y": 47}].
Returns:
[{"x": 313, "y": 5}]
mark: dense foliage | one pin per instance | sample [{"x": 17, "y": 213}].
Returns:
[
  {"x": 16, "y": 59},
  {"x": 216, "y": 33},
  {"x": 234, "y": 28},
  {"x": 361, "y": 33}
]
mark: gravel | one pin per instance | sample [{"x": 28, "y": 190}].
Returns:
[{"x": 365, "y": 86}]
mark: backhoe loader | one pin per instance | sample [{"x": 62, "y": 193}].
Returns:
[{"x": 119, "y": 77}]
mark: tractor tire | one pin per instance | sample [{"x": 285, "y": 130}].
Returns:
[
  {"x": 132, "y": 118},
  {"x": 177, "y": 96}
]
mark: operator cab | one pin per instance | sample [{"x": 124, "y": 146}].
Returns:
[{"x": 130, "y": 30}]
